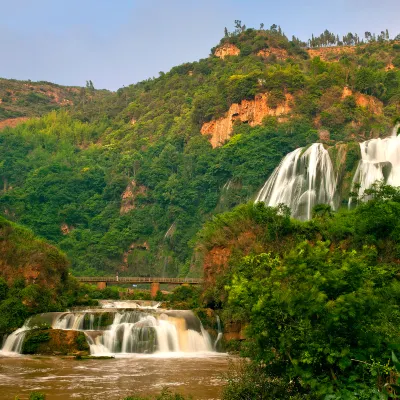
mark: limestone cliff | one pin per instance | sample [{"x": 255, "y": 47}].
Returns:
[
  {"x": 129, "y": 196},
  {"x": 248, "y": 111},
  {"x": 363, "y": 100},
  {"x": 227, "y": 49},
  {"x": 280, "y": 54},
  {"x": 331, "y": 53}
]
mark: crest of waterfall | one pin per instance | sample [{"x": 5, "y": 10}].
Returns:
[
  {"x": 304, "y": 178},
  {"x": 380, "y": 161},
  {"x": 111, "y": 331}
]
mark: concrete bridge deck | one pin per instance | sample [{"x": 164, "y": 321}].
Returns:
[
  {"x": 155, "y": 282},
  {"x": 128, "y": 279}
]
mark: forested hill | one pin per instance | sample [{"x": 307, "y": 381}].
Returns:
[
  {"x": 123, "y": 181},
  {"x": 21, "y": 100}
]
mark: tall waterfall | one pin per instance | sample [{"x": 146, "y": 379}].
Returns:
[
  {"x": 380, "y": 161},
  {"x": 110, "y": 331},
  {"x": 303, "y": 179}
]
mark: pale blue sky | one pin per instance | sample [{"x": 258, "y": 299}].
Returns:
[{"x": 119, "y": 42}]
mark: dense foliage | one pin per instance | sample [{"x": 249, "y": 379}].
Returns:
[
  {"x": 33, "y": 277},
  {"x": 323, "y": 310}
]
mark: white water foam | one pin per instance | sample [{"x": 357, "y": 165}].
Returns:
[{"x": 303, "y": 179}]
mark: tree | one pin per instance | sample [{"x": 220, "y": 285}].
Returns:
[{"x": 318, "y": 313}]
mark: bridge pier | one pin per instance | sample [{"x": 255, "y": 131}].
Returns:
[
  {"x": 154, "y": 288},
  {"x": 101, "y": 285}
]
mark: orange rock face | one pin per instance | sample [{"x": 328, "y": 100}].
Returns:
[
  {"x": 227, "y": 49},
  {"x": 249, "y": 111},
  {"x": 281, "y": 54},
  {"x": 363, "y": 100},
  {"x": 129, "y": 196},
  {"x": 331, "y": 53},
  {"x": 12, "y": 122}
]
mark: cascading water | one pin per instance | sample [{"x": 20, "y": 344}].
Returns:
[
  {"x": 303, "y": 179},
  {"x": 219, "y": 336},
  {"x": 112, "y": 331},
  {"x": 13, "y": 343},
  {"x": 380, "y": 161}
]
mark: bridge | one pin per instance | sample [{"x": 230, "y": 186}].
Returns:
[{"x": 155, "y": 282}]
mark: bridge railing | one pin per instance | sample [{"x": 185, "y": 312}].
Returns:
[{"x": 140, "y": 279}]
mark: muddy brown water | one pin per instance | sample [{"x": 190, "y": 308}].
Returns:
[{"x": 200, "y": 376}]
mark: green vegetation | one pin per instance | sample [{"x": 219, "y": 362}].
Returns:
[
  {"x": 165, "y": 394},
  {"x": 64, "y": 175},
  {"x": 33, "y": 277},
  {"x": 319, "y": 298},
  {"x": 34, "y": 99}
]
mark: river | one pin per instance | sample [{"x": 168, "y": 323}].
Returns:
[{"x": 112, "y": 379}]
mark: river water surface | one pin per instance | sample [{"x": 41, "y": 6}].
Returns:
[{"x": 199, "y": 375}]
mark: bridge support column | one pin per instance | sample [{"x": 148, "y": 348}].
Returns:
[
  {"x": 101, "y": 285},
  {"x": 154, "y": 288}
]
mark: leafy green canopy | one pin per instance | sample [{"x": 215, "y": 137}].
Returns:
[{"x": 322, "y": 314}]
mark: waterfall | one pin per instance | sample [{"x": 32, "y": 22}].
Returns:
[
  {"x": 13, "y": 343},
  {"x": 380, "y": 161},
  {"x": 304, "y": 178},
  {"x": 122, "y": 331},
  {"x": 219, "y": 336}
]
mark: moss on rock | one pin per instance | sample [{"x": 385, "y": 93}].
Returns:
[{"x": 55, "y": 342}]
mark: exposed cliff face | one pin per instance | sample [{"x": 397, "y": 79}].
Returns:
[
  {"x": 216, "y": 259},
  {"x": 331, "y": 53},
  {"x": 22, "y": 255},
  {"x": 12, "y": 122},
  {"x": 363, "y": 100},
  {"x": 227, "y": 49},
  {"x": 248, "y": 111},
  {"x": 280, "y": 54},
  {"x": 129, "y": 196}
]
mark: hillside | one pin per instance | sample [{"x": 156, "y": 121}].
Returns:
[
  {"x": 124, "y": 181},
  {"x": 21, "y": 100},
  {"x": 33, "y": 276}
]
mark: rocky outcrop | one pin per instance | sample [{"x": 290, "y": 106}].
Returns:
[
  {"x": 248, "y": 111},
  {"x": 363, "y": 100},
  {"x": 280, "y": 54},
  {"x": 12, "y": 122},
  {"x": 331, "y": 53},
  {"x": 133, "y": 246},
  {"x": 233, "y": 330},
  {"x": 66, "y": 229},
  {"x": 24, "y": 256},
  {"x": 227, "y": 49},
  {"x": 129, "y": 196},
  {"x": 216, "y": 259},
  {"x": 55, "y": 342}
]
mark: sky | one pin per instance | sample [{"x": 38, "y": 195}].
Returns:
[{"x": 115, "y": 43}]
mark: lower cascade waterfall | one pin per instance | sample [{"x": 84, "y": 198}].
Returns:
[
  {"x": 111, "y": 331},
  {"x": 304, "y": 178}
]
